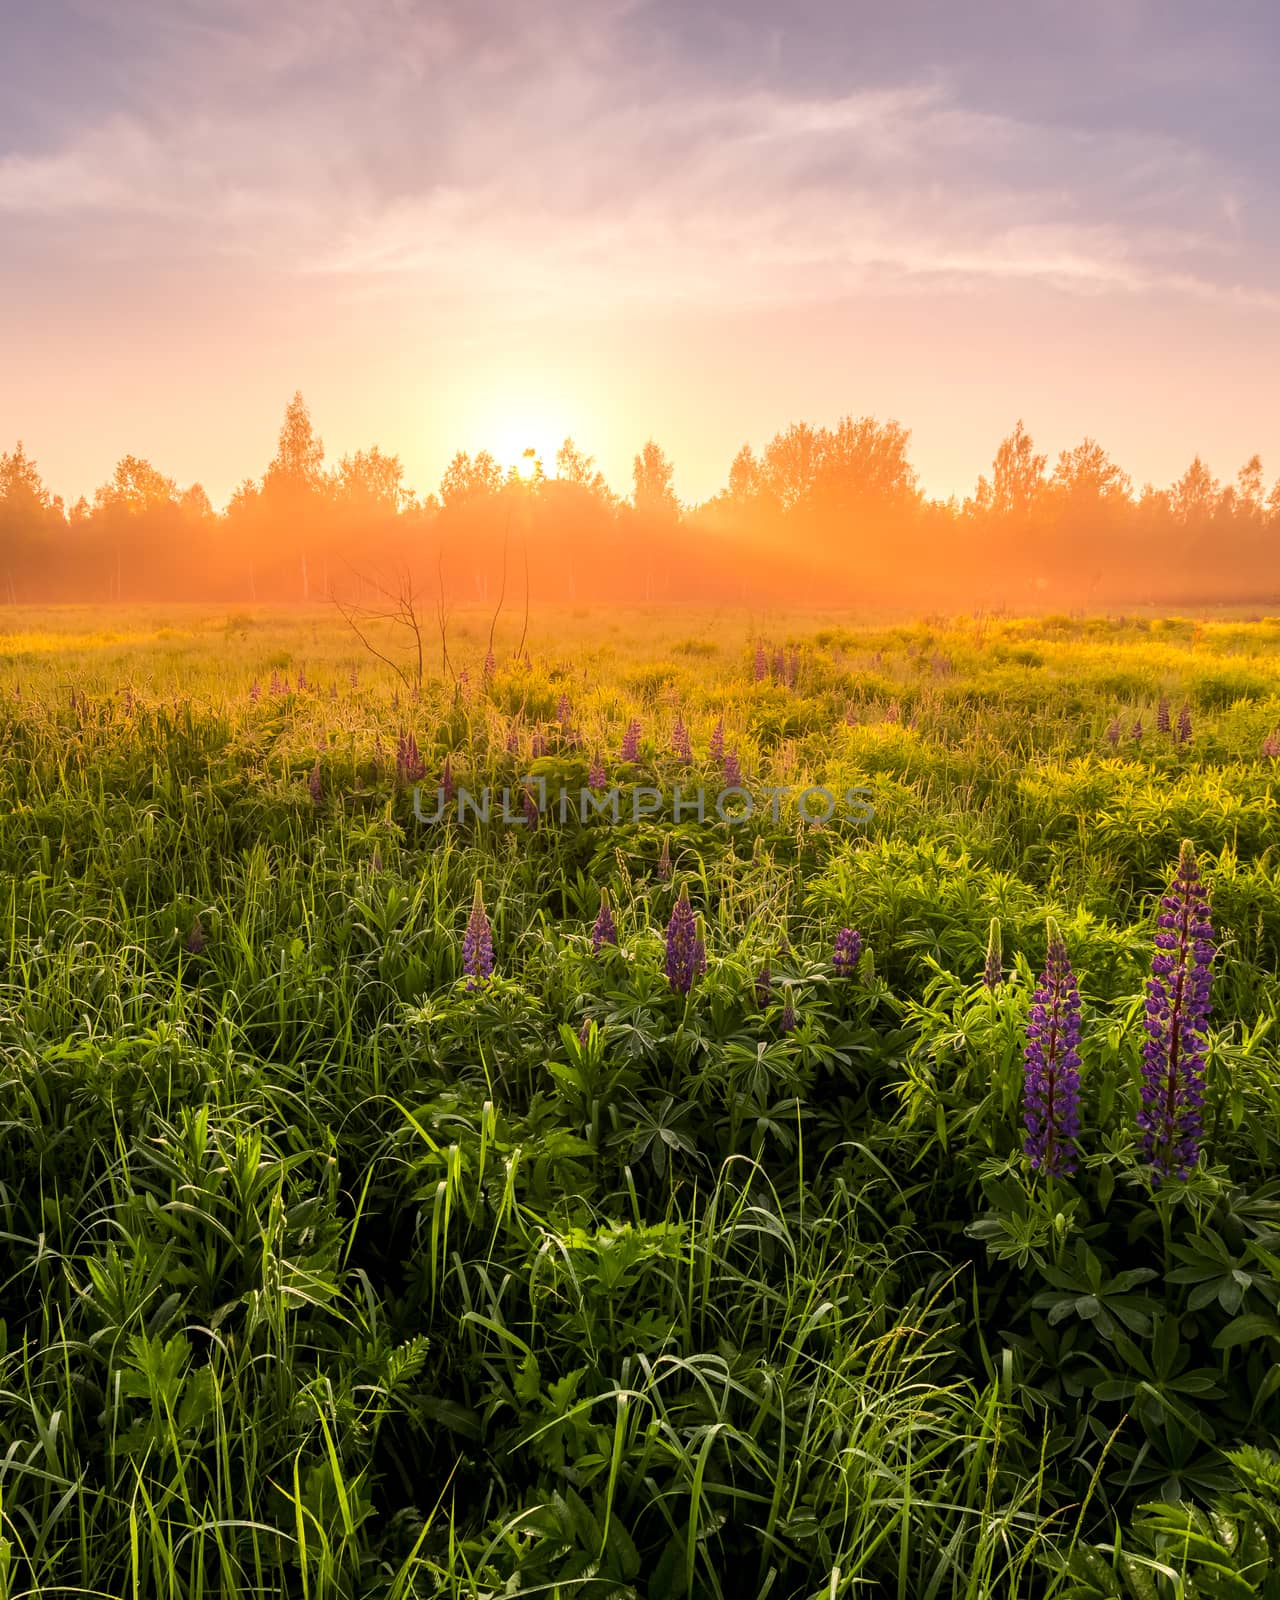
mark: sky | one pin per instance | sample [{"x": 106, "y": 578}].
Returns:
[{"x": 475, "y": 224}]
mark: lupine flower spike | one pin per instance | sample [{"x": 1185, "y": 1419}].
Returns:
[
  {"x": 732, "y": 770},
  {"x": 716, "y": 748},
  {"x": 761, "y": 668},
  {"x": 1163, "y": 720},
  {"x": 603, "y": 930},
  {"x": 1113, "y": 732},
  {"x": 682, "y": 945},
  {"x": 194, "y": 942},
  {"x": 848, "y": 949},
  {"x": 597, "y": 777},
  {"x": 1177, "y": 1015},
  {"x": 1051, "y": 1096},
  {"x": 631, "y": 742},
  {"x": 664, "y": 860},
  {"x": 788, "y": 1019},
  {"x": 764, "y": 986},
  {"x": 993, "y": 972},
  {"x": 1184, "y": 723},
  {"x": 477, "y": 942},
  {"x": 680, "y": 740}
]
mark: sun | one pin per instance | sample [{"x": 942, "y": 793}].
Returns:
[{"x": 527, "y": 465}]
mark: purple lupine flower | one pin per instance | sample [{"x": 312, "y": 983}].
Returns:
[
  {"x": 513, "y": 739},
  {"x": 848, "y": 948},
  {"x": 255, "y": 690},
  {"x": 732, "y": 770},
  {"x": 780, "y": 666},
  {"x": 1271, "y": 745},
  {"x": 764, "y": 986},
  {"x": 893, "y": 712},
  {"x": 716, "y": 748},
  {"x": 489, "y": 669},
  {"x": 680, "y": 740},
  {"x": 446, "y": 782},
  {"x": 1184, "y": 723},
  {"x": 1135, "y": 733},
  {"x": 409, "y": 764},
  {"x": 993, "y": 971},
  {"x": 664, "y": 860},
  {"x": 682, "y": 945},
  {"x": 851, "y": 716},
  {"x": 276, "y": 687},
  {"x": 538, "y": 747},
  {"x": 631, "y": 742},
  {"x": 597, "y": 777},
  {"x": 787, "y": 1021},
  {"x": 302, "y": 681},
  {"x": 562, "y": 709},
  {"x": 530, "y": 808},
  {"x": 584, "y": 1032},
  {"x": 603, "y": 929},
  {"x": 1177, "y": 1013},
  {"x": 1051, "y": 1093},
  {"x": 353, "y": 677},
  {"x": 477, "y": 942},
  {"x": 1163, "y": 721},
  {"x": 760, "y": 670},
  {"x": 315, "y": 785},
  {"x": 1113, "y": 731},
  {"x": 793, "y": 669},
  {"x": 194, "y": 943}
]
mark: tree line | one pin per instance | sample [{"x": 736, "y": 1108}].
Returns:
[{"x": 828, "y": 514}]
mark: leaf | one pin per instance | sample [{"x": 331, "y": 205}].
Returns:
[{"x": 1244, "y": 1330}]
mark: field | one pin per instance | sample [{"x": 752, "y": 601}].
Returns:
[{"x": 331, "y": 1268}]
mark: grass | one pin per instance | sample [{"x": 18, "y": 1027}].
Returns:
[{"x": 323, "y": 1274}]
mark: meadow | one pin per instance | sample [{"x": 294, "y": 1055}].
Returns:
[{"x": 374, "y": 1224}]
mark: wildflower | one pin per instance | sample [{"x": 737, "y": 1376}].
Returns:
[
  {"x": 893, "y": 712},
  {"x": 732, "y": 770},
  {"x": 1113, "y": 731},
  {"x": 664, "y": 860},
  {"x": 255, "y": 690},
  {"x": 764, "y": 986},
  {"x": 597, "y": 777},
  {"x": 603, "y": 929},
  {"x": 851, "y": 716},
  {"x": 315, "y": 785},
  {"x": 409, "y": 764},
  {"x": 490, "y": 668},
  {"x": 760, "y": 671},
  {"x": 780, "y": 666},
  {"x": 1184, "y": 723},
  {"x": 848, "y": 949},
  {"x": 1163, "y": 722},
  {"x": 1177, "y": 1013},
  {"x": 1271, "y": 744},
  {"x": 562, "y": 709},
  {"x": 539, "y": 745},
  {"x": 276, "y": 687},
  {"x": 631, "y": 742},
  {"x": 477, "y": 942},
  {"x": 353, "y": 677},
  {"x": 716, "y": 748},
  {"x": 682, "y": 945},
  {"x": 195, "y": 941},
  {"x": 793, "y": 669},
  {"x": 788, "y": 1019},
  {"x": 513, "y": 739},
  {"x": 302, "y": 681},
  {"x": 1135, "y": 733},
  {"x": 1051, "y": 1099},
  {"x": 993, "y": 972},
  {"x": 680, "y": 740},
  {"x": 584, "y": 1032}
]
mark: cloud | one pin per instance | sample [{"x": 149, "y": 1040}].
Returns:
[{"x": 533, "y": 162}]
